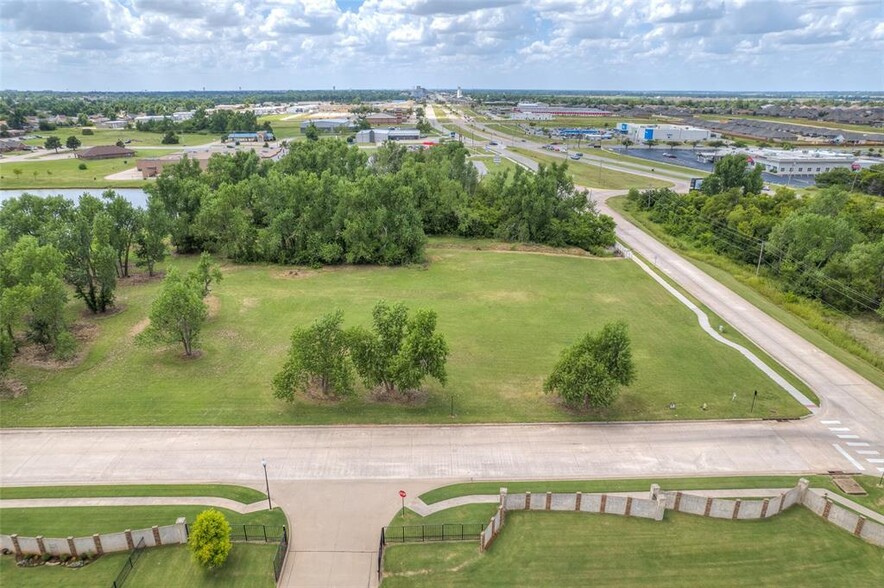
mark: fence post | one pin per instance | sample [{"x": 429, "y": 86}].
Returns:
[
  {"x": 40, "y": 546},
  {"x": 708, "y": 508},
  {"x": 764, "y": 507},
  {"x": 265, "y": 532},
  {"x": 860, "y": 523},
  {"x": 503, "y": 493},
  {"x": 655, "y": 491},
  {"x": 736, "y": 509},
  {"x": 577, "y": 501},
  {"x": 96, "y": 538},
  {"x": 129, "y": 543},
  {"x": 628, "y": 506},
  {"x": 16, "y": 546},
  {"x": 548, "y": 500},
  {"x": 156, "y": 535},
  {"x": 527, "y": 501},
  {"x": 72, "y": 546},
  {"x": 677, "y": 501},
  {"x": 181, "y": 523},
  {"x": 603, "y": 503},
  {"x": 827, "y": 509}
]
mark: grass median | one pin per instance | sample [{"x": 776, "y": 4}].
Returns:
[
  {"x": 594, "y": 175},
  {"x": 238, "y": 493}
]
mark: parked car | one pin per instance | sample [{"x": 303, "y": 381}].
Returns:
[{"x": 670, "y": 155}]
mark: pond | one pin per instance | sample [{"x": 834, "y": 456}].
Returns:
[{"x": 136, "y": 196}]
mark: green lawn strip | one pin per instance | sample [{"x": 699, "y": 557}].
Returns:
[
  {"x": 66, "y": 173},
  {"x": 101, "y": 572},
  {"x": 82, "y": 521},
  {"x": 809, "y": 322},
  {"x": 238, "y": 493},
  {"x": 733, "y": 335},
  {"x": 596, "y": 176},
  {"x": 796, "y": 548},
  {"x": 506, "y": 317},
  {"x": 874, "y": 500},
  {"x": 248, "y": 565},
  {"x": 468, "y": 513},
  {"x": 111, "y": 136}
]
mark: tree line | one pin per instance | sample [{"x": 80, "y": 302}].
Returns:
[
  {"x": 828, "y": 246},
  {"x": 869, "y": 180}
]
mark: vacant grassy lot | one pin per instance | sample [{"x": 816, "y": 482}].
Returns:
[
  {"x": 856, "y": 341},
  {"x": 65, "y": 173},
  {"x": 594, "y": 176},
  {"x": 506, "y": 316},
  {"x": 248, "y": 565},
  {"x": 238, "y": 493},
  {"x": 796, "y": 548},
  {"x": 111, "y": 136}
]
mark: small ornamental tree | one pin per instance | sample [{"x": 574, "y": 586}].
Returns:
[
  {"x": 205, "y": 272},
  {"x": 177, "y": 314},
  {"x": 72, "y": 143},
  {"x": 590, "y": 372},
  {"x": 209, "y": 540},
  {"x": 319, "y": 359}
]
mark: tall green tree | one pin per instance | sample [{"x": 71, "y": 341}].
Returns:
[
  {"x": 209, "y": 539},
  {"x": 590, "y": 372},
  {"x": 72, "y": 143},
  {"x": 204, "y": 275},
  {"x": 399, "y": 352},
  {"x": 319, "y": 359},
  {"x": 150, "y": 240},
  {"x": 90, "y": 259},
  {"x": 177, "y": 314},
  {"x": 52, "y": 142},
  {"x": 126, "y": 221}
]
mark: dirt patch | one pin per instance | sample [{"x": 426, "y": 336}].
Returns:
[
  {"x": 498, "y": 247},
  {"x": 408, "y": 398},
  {"x": 112, "y": 311},
  {"x": 138, "y": 279},
  {"x": 248, "y": 303},
  {"x": 296, "y": 273},
  {"x": 195, "y": 354},
  {"x": 506, "y": 296},
  {"x": 37, "y": 356},
  {"x": 10, "y": 389},
  {"x": 214, "y": 304},
  {"x": 139, "y": 327}
]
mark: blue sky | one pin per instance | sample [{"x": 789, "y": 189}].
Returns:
[{"x": 742, "y": 45}]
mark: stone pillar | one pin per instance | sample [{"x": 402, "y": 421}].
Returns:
[
  {"x": 661, "y": 508},
  {"x": 803, "y": 485},
  {"x": 181, "y": 523},
  {"x": 628, "y": 506},
  {"x": 827, "y": 509},
  {"x": 156, "y": 535},
  {"x": 860, "y": 523},
  {"x": 99, "y": 550},
  {"x": 603, "y": 503},
  {"x": 764, "y": 505},
  {"x": 736, "y": 509},
  {"x": 72, "y": 547},
  {"x": 503, "y": 497},
  {"x": 655, "y": 491},
  {"x": 578, "y": 500},
  {"x": 129, "y": 543},
  {"x": 677, "y": 501},
  {"x": 527, "y": 501},
  {"x": 782, "y": 501},
  {"x": 548, "y": 500},
  {"x": 15, "y": 546},
  {"x": 40, "y": 545},
  {"x": 708, "y": 507}
]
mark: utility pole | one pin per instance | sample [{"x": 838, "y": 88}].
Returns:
[{"x": 760, "y": 253}]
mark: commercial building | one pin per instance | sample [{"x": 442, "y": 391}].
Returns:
[
  {"x": 383, "y": 135},
  {"x": 105, "y": 152},
  {"x": 153, "y": 166},
  {"x": 531, "y": 116},
  {"x": 113, "y": 124},
  {"x": 803, "y": 162},
  {"x": 663, "y": 133},
  {"x": 541, "y": 108},
  {"x": 327, "y": 124},
  {"x": 383, "y": 118},
  {"x": 260, "y": 136}
]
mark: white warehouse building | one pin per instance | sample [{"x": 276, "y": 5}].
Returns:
[
  {"x": 803, "y": 162},
  {"x": 681, "y": 133}
]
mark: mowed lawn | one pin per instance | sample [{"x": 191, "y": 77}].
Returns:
[
  {"x": 138, "y": 139},
  {"x": 593, "y": 175},
  {"x": 796, "y": 548},
  {"x": 507, "y": 316},
  {"x": 66, "y": 173}
]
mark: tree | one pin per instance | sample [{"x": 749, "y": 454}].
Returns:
[
  {"x": 590, "y": 372},
  {"x": 177, "y": 314},
  {"x": 424, "y": 126},
  {"x": 398, "y": 353},
  {"x": 733, "y": 171},
  {"x": 311, "y": 132},
  {"x": 170, "y": 138},
  {"x": 209, "y": 540},
  {"x": 627, "y": 143},
  {"x": 204, "y": 274},
  {"x": 150, "y": 240},
  {"x": 318, "y": 359},
  {"x": 53, "y": 142},
  {"x": 72, "y": 143},
  {"x": 126, "y": 223},
  {"x": 120, "y": 143},
  {"x": 90, "y": 260}
]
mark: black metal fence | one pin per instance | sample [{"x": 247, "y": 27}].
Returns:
[
  {"x": 440, "y": 532},
  {"x": 281, "y": 550},
  {"x": 130, "y": 562},
  {"x": 257, "y": 533}
]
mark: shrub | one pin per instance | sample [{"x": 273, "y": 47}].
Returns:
[
  {"x": 81, "y": 166},
  {"x": 209, "y": 540},
  {"x": 65, "y": 346},
  {"x": 88, "y": 132}
]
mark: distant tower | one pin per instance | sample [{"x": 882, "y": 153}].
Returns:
[{"x": 459, "y": 93}]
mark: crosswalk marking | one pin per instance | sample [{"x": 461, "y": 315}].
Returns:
[
  {"x": 848, "y": 436},
  {"x": 857, "y": 444}
]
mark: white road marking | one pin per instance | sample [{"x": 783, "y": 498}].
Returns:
[
  {"x": 831, "y": 422},
  {"x": 839, "y": 429},
  {"x": 881, "y": 469},
  {"x": 875, "y": 460},
  {"x": 848, "y": 436},
  {"x": 857, "y": 444},
  {"x": 848, "y": 457},
  {"x": 868, "y": 452}
]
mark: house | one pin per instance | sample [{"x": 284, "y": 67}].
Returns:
[
  {"x": 105, "y": 152},
  {"x": 11, "y": 145}
]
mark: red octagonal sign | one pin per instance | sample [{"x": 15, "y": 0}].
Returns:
[{"x": 402, "y": 494}]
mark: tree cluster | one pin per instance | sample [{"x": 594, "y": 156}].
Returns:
[
  {"x": 869, "y": 181},
  {"x": 395, "y": 355},
  {"x": 828, "y": 246}
]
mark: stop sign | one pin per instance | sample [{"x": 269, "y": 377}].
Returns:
[{"x": 402, "y": 494}]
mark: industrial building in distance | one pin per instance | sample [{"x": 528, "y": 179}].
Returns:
[
  {"x": 539, "y": 109},
  {"x": 383, "y": 135},
  {"x": 681, "y": 133},
  {"x": 792, "y": 162}
]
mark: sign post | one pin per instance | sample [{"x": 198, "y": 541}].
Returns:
[{"x": 402, "y": 495}]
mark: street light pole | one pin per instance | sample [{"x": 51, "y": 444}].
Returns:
[{"x": 266, "y": 483}]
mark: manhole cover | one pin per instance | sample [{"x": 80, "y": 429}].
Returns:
[{"x": 849, "y": 486}]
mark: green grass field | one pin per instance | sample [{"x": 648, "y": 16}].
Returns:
[
  {"x": 65, "y": 173},
  {"x": 594, "y": 176},
  {"x": 248, "y": 565},
  {"x": 796, "y": 548},
  {"x": 506, "y": 316},
  {"x": 238, "y": 493},
  {"x": 856, "y": 341},
  {"x": 111, "y": 136}
]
